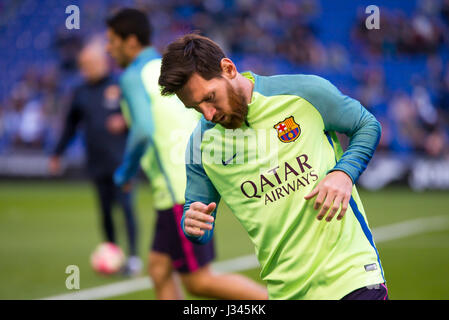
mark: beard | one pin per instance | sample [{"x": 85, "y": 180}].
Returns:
[
  {"x": 122, "y": 62},
  {"x": 239, "y": 109}
]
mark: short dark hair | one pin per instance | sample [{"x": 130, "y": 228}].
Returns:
[
  {"x": 130, "y": 21},
  {"x": 185, "y": 56}
]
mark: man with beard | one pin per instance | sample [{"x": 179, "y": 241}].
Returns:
[
  {"x": 301, "y": 256},
  {"x": 158, "y": 127}
]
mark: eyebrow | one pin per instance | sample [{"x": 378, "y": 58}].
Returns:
[{"x": 205, "y": 98}]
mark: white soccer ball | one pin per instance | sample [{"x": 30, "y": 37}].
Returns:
[{"x": 107, "y": 258}]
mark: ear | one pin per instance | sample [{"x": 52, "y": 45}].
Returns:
[
  {"x": 132, "y": 41},
  {"x": 228, "y": 68}
]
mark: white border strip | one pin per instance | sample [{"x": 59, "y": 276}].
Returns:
[{"x": 380, "y": 234}]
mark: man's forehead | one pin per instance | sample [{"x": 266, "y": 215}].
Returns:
[{"x": 194, "y": 91}]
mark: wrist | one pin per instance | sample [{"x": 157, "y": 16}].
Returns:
[{"x": 342, "y": 173}]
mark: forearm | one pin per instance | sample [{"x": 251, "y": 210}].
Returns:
[
  {"x": 362, "y": 145},
  {"x": 199, "y": 192},
  {"x": 137, "y": 144},
  {"x": 66, "y": 137}
]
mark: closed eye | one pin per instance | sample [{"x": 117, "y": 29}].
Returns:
[{"x": 210, "y": 98}]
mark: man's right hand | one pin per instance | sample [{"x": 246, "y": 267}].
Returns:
[
  {"x": 198, "y": 217},
  {"x": 54, "y": 165}
]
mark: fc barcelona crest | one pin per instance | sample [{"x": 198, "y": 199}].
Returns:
[{"x": 288, "y": 130}]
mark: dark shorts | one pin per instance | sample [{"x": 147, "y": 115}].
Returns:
[
  {"x": 376, "y": 292},
  {"x": 170, "y": 239}
]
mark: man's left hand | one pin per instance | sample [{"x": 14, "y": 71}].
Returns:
[
  {"x": 333, "y": 191},
  {"x": 120, "y": 181},
  {"x": 116, "y": 124}
]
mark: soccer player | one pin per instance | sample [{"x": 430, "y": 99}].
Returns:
[
  {"x": 158, "y": 127},
  {"x": 95, "y": 107},
  {"x": 296, "y": 198}
]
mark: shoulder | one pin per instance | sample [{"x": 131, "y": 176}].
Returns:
[
  {"x": 79, "y": 94},
  {"x": 193, "y": 150},
  {"x": 293, "y": 84},
  {"x": 202, "y": 126},
  {"x": 140, "y": 72},
  {"x": 130, "y": 76},
  {"x": 80, "y": 87}
]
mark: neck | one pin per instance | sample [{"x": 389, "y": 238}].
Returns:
[
  {"x": 247, "y": 87},
  {"x": 136, "y": 52},
  {"x": 97, "y": 79}
]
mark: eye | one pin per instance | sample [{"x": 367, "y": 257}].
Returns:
[{"x": 210, "y": 98}]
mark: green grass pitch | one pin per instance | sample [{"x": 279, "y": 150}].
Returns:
[{"x": 46, "y": 226}]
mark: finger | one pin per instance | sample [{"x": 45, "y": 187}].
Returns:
[
  {"x": 327, "y": 204},
  {"x": 344, "y": 207},
  {"x": 194, "y": 231},
  {"x": 197, "y": 224},
  {"x": 211, "y": 207},
  {"x": 200, "y": 216},
  {"x": 334, "y": 209},
  {"x": 312, "y": 194},
  {"x": 319, "y": 199},
  {"x": 198, "y": 206}
]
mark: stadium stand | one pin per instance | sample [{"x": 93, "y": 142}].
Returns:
[{"x": 399, "y": 72}]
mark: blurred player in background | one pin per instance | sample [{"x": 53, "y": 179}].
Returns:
[
  {"x": 301, "y": 256},
  {"x": 95, "y": 107},
  {"x": 159, "y": 130}
]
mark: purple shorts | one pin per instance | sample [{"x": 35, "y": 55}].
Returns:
[
  {"x": 376, "y": 292},
  {"x": 170, "y": 239}
]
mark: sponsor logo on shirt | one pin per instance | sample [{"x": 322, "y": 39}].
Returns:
[
  {"x": 281, "y": 181},
  {"x": 288, "y": 130},
  {"x": 111, "y": 97}
]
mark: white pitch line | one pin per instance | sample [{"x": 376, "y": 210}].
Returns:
[
  {"x": 410, "y": 227},
  {"x": 144, "y": 283},
  {"x": 380, "y": 234},
  {"x": 107, "y": 291}
]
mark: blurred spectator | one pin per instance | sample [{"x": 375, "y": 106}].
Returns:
[
  {"x": 372, "y": 91},
  {"x": 443, "y": 99},
  {"x": 68, "y": 47},
  {"x": 407, "y": 134},
  {"x": 436, "y": 144},
  {"x": 379, "y": 67},
  {"x": 445, "y": 11},
  {"x": 421, "y": 33},
  {"x": 31, "y": 125}
]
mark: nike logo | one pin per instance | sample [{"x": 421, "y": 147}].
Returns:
[{"x": 225, "y": 163}]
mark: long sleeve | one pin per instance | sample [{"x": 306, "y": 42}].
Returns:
[
  {"x": 72, "y": 120},
  {"x": 141, "y": 128},
  {"x": 199, "y": 187},
  {"x": 346, "y": 115}
]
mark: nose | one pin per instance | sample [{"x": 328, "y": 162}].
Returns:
[{"x": 208, "y": 112}]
